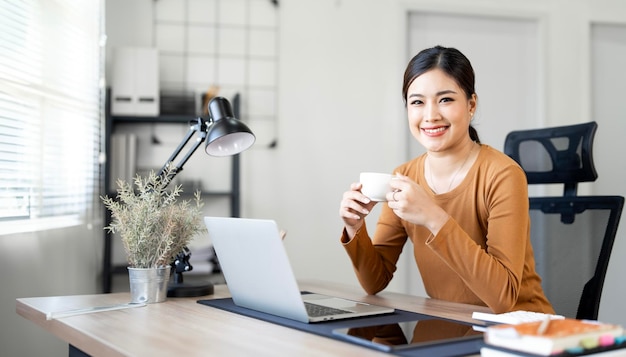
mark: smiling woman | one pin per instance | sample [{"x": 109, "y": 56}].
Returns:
[
  {"x": 50, "y": 113},
  {"x": 463, "y": 204}
]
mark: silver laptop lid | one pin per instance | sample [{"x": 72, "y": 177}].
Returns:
[{"x": 255, "y": 266}]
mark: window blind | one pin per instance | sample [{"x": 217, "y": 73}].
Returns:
[{"x": 51, "y": 109}]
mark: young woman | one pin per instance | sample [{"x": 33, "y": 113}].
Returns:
[{"x": 463, "y": 204}]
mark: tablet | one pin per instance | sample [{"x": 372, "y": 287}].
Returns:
[{"x": 428, "y": 337}]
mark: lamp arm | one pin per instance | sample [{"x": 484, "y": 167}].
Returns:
[{"x": 199, "y": 127}]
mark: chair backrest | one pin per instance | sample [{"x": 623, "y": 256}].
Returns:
[
  {"x": 555, "y": 155},
  {"x": 572, "y": 235}
]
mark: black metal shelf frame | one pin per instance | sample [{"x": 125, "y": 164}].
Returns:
[{"x": 108, "y": 269}]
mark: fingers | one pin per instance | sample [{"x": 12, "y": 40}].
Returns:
[
  {"x": 403, "y": 192},
  {"x": 399, "y": 182},
  {"x": 356, "y": 186},
  {"x": 393, "y": 196},
  {"x": 354, "y": 205},
  {"x": 355, "y": 195}
]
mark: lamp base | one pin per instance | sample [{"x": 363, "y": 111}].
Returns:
[{"x": 189, "y": 290}]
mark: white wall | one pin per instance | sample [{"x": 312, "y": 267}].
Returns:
[
  {"x": 50, "y": 263},
  {"x": 340, "y": 112},
  {"x": 609, "y": 110}
]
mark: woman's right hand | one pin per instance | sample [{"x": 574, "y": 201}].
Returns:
[{"x": 353, "y": 208}]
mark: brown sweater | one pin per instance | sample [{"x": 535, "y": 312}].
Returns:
[{"x": 481, "y": 256}]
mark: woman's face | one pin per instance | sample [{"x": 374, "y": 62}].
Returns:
[{"x": 439, "y": 112}]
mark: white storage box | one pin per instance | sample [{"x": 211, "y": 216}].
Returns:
[{"x": 135, "y": 82}]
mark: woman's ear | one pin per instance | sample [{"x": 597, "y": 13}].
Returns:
[{"x": 473, "y": 102}]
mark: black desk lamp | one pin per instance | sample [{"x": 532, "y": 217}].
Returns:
[{"x": 225, "y": 135}]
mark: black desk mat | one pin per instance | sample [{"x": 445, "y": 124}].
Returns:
[{"x": 326, "y": 328}]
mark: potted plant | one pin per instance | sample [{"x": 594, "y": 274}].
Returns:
[{"x": 154, "y": 227}]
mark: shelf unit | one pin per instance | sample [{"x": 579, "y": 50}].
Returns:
[{"x": 108, "y": 268}]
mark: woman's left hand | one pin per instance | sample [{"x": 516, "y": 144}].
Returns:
[{"x": 411, "y": 202}]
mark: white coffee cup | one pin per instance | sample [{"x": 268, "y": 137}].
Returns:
[{"x": 375, "y": 185}]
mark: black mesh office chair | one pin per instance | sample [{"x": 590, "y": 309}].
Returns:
[{"x": 572, "y": 235}]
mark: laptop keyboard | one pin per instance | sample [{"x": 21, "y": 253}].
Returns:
[{"x": 318, "y": 310}]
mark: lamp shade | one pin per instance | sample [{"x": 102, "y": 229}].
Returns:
[{"x": 227, "y": 135}]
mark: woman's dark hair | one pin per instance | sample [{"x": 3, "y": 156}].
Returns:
[{"x": 452, "y": 62}]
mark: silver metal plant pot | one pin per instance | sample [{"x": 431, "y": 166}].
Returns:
[{"x": 148, "y": 285}]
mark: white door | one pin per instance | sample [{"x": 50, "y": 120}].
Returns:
[{"x": 506, "y": 55}]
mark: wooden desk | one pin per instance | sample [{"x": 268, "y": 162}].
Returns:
[{"x": 182, "y": 327}]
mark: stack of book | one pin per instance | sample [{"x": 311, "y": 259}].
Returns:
[{"x": 555, "y": 337}]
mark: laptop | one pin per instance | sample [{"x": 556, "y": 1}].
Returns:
[{"x": 259, "y": 276}]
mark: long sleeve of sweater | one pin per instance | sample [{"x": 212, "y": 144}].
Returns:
[{"x": 481, "y": 256}]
